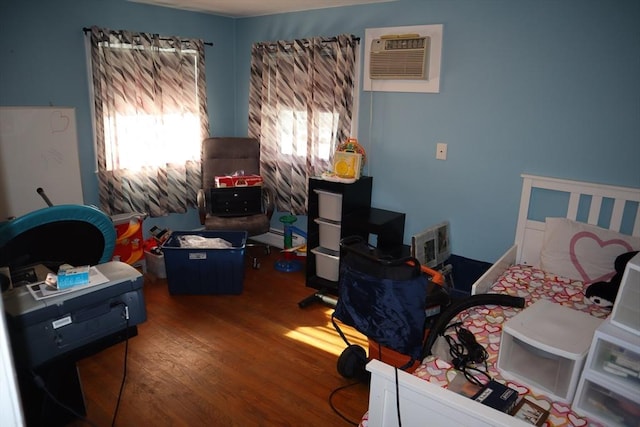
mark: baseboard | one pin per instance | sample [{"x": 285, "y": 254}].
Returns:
[{"x": 275, "y": 238}]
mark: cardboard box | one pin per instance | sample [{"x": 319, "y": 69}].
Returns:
[{"x": 237, "y": 181}]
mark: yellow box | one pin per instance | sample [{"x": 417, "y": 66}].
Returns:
[{"x": 347, "y": 164}]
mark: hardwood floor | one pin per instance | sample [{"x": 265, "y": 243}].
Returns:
[{"x": 254, "y": 359}]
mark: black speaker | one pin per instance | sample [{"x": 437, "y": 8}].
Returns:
[{"x": 352, "y": 362}]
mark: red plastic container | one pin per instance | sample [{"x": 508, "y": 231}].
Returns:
[{"x": 129, "y": 241}]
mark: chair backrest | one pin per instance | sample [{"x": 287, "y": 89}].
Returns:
[{"x": 224, "y": 156}]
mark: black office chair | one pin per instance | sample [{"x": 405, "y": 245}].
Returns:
[{"x": 234, "y": 208}]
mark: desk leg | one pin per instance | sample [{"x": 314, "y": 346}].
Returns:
[
  {"x": 320, "y": 296},
  {"x": 63, "y": 382}
]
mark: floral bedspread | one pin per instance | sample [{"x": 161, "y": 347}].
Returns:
[{"x": 485, "y": 322}]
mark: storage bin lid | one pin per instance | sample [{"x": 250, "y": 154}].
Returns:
[
  {"x": 554, "y": 328},
  {"x": 236, "y": 240}
]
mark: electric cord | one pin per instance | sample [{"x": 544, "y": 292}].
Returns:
[
  {"x": 337, "y": 328},
  {"x": 340, "y": 414},
  {"x": 124, "y": 368},
  {"x": 39, "y": 382},
  {"x": 457, "y": 307},
  {"x": 398, "y": 398},
  {"x": 467, "y": 354}
]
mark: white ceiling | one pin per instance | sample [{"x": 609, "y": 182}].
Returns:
[{"x": 246, "y": 8}]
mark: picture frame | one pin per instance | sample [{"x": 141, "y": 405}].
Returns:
[
  {"x": 529, "y": 412},
  {"x": 432, "y": 246},
  {"x": 347, "y": 164}
]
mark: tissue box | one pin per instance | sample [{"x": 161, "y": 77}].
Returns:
[
  {"x": 69, "y": 277},
  {"x": 238, "y": 181}
]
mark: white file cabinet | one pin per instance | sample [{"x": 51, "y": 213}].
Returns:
[{"x": 609, "y": 388}]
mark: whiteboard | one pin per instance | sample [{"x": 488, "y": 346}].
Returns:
[{"x": 38, "y": 149}]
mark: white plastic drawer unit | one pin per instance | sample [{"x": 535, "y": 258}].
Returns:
[
  {"x": 545, "y": 347},
  {"x": 329, "y": 205},
  {"x": 606, "y": 406},
  {"x": 609, "y": 389}
]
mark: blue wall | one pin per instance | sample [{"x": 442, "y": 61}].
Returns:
[
  {"x": 43, "y": 62},
  {"x": 546, "y": 87}
]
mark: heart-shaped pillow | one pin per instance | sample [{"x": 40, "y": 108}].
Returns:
[{"x": 581, "y": 251}]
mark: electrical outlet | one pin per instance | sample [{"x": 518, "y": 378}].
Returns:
[{"x": 441, "y": 151}]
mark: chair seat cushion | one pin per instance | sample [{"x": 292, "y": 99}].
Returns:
[{"x": 253, "y": 224}]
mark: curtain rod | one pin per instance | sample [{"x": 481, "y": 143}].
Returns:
[
  {"x": 292, "y": 42},
  {"x": 289, "y": 43},
  {"x": 87, "y": 30}
]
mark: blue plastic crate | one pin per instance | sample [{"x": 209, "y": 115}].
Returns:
[{"x": 196, "y": 271}]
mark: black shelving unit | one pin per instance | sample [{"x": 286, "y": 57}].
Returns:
[{"x": 356, "y": 202}]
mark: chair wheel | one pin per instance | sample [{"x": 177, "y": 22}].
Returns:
[
  {"x": 267, "y": 250},
  {"x": 256, "y": 263}
]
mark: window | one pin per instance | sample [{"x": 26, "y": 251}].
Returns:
[
  {"x": 301, "y": 101},
  {"x": 149, "y": 102},
  {"x": 130, "y": 145},
  {"x": 289, "y": 119}
]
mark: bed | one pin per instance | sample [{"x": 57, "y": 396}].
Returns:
[{"x": 528, "y": 269}]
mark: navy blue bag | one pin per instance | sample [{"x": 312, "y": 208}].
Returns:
[{"x": 381, "y": 298}]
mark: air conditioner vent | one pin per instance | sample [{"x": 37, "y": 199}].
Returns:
[{"x": 396, "y": 57}]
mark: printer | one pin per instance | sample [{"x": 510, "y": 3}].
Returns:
[
  {"x": 50, "y": 335},
  {"x": 47, "y": 329}
]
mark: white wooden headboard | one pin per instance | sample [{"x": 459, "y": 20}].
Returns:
[
  {"x": 529, "y": 232},
  {"x": 625, "y": 201}
]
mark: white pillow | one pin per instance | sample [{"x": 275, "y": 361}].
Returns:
[{"x": 581, "y": 251}]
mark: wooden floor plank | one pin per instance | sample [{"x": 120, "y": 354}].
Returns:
[{"x": 254, "y": 359}]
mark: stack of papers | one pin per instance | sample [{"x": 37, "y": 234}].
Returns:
[{"x": 42, "y": 290}]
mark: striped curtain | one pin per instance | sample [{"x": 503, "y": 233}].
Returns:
[
  {"x": 150, "y": 117},
  {"x": 300, "y": 108}
]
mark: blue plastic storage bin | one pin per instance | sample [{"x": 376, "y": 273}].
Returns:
[{"x": 200, "y": 271}]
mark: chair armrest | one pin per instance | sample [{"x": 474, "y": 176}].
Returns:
[{"x": 202, "y": 206}]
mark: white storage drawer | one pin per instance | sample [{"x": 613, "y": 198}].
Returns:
[
  {"x": 616, "y": 362},
  {"x": 329, "y": 205},
  {"x": 609, "y": 389},
  {"x": 327, "y": 263},
  {"x": 605, "y": 405},
  {"x": 329, "y": 233}
]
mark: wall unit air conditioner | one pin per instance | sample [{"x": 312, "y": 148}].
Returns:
[{"x": 399, "y": 57}]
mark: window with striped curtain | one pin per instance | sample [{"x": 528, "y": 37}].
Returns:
[
  {"x": 301, "y": 102},
  {"x": 150, "y": 117}
]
